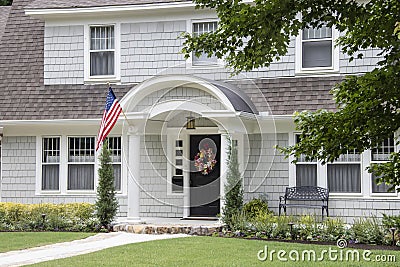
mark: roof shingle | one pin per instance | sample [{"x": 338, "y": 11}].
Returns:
[
  {"x": 55, "y": 4},
  {"x": 23, "y": 96},
  {"x": 4, "y": 12}
]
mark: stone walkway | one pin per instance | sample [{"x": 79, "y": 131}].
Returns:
[
  {"x": 77, "y": 247},
  {"x": 157, "y": 226}
]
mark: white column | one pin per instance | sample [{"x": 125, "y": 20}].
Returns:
[
  {"x": 224, "y": 166},
  {"x": 134, "y": 177}
]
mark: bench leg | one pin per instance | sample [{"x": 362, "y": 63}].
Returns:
[
  {"x": 280, "y": 207},
  {"x": 323, "y": 213}
]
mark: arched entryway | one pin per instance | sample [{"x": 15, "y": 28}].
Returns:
[{"x": 175, "y": 170}]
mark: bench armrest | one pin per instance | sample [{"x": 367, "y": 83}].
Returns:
[{"x": 281, "y": 199}]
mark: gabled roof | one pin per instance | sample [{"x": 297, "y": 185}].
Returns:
[
  {"x": 56, "y": 4},
  {"x": 4, "y": 12},
  {"x": 23, "y": 96},
  {"x": 22, "y": 93}
]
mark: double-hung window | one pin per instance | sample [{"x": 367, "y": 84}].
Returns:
[
  {"x": 114, "y": 145},
  {"x": 50, "y": 163},
  {"x": 102, "y": 51},
  {"x": 344, "y": 175},
  {"x": 306, "y": 171},
  {"x": 198, "y": 29},
  {"x": 317, "y": 47},
  {"x": 379, "y": 155},
  {"x": 81, "y": 160}
]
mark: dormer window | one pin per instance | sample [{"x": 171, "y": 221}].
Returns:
[
  {"x": 198, "y": 29},
  {"x": 317, "y": 47},
  {"x": 102, "y": 51},
  {"x": 316, "y": 51}
]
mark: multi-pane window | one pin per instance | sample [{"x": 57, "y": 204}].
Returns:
[
  {"x": 114, "y": 145},
  {"x": 344, "y": 175},
  {"x": 177, "y": 177},
  {"x": 317, "y": 47},
  {"x": 50, "y": 163},
  {"x": 81, "y": 158},
  {"x": 306, "y": 171},
  {"x": 102, "y": 50},
  {"x": 198, "y": 29},
  {"x": 379, "y": 155}
]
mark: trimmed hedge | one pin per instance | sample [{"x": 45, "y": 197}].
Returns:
[{"x": 57, "y": 217}]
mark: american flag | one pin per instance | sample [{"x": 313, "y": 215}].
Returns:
[{"x": 110, "y": 117}]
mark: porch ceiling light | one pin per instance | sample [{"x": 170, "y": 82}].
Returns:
[{"x": 190, "y": 123}]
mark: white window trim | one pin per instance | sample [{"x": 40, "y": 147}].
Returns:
[
  {"x": 94, "y": 163},
  {"x": 63, "y": 183},
  {"x": 189, "y": 61},
  {"x": 39, "y": 164},
  {"x": 117, "y": 60},
  {"x": 299, "y": 56},
  {"x": 322, "y": 179},
  {"x": 382, "y": 194},
  {"x": 171, "y": 139},
  {"x": 116, "y": 163}
]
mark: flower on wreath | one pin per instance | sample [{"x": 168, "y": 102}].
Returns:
[{"x": 205, "y": 160}]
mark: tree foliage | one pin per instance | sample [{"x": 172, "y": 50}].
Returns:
[
  {"x": 233, "y": 187},
  {"x": 250, "y": 36},
  {"x": 106, "y": 202},
  {"x": 5, "y": 2}
]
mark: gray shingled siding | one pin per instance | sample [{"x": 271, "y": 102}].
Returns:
[
  {"x": 19, "y": 166},
  {"x": 180, "y": 93},
  {"x": 263, "y": 179},
  {"x": 150, "y": 49},
  {"x": 365, "y": 64},
  {"x": 349, "y": 209},
  {"x": 267, "y": 171},
  {"x": 63, "y": 55},
  {"x": 19, "y": 176},
  {"x": 154, "y": 200}
]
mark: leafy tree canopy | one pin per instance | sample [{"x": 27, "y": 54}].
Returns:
[
  {"x": 252, "y": 35},
  {"x": 5, "y": 2}
]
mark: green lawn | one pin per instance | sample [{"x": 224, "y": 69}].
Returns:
[
  {"x": 21, "y": 240},
  {"x": 204, "y": 251}
]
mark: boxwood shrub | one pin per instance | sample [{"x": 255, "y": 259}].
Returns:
[{"x": 47, "y": 217}]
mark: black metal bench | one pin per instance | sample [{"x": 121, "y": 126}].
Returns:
[{"x": 305, "y": 193}]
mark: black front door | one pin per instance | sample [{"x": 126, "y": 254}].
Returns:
[{"x": 205, "y": 175}]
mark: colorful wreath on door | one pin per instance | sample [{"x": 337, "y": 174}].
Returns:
[{"x": 205, "y": 160}]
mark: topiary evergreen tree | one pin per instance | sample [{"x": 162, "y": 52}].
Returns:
[
  {"x": 233, "y": 186},
  {"x": 106, "y": 202}
]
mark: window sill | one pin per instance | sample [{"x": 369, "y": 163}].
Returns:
[
  {"x": 102, "y": 79},
  {"x": 317, "y": 71},
  {"x": 80, "y": 192},
  {"x": 176, "y": 194},
  {"x": 380, "y": 195},
  {"x": 48, "y": 192},
  {"x": 345, "y": 195},
  {"x": 204, "y": 66}
]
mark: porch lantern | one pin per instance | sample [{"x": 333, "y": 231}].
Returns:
[{"x": 190, "y": 123}]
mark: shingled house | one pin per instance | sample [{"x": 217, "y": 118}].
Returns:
[{"x": 57, "y": 57}]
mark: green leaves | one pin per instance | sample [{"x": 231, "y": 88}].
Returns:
[
  {"x": 106, "y": 202},
  {"x": 252, "y": 35}
]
